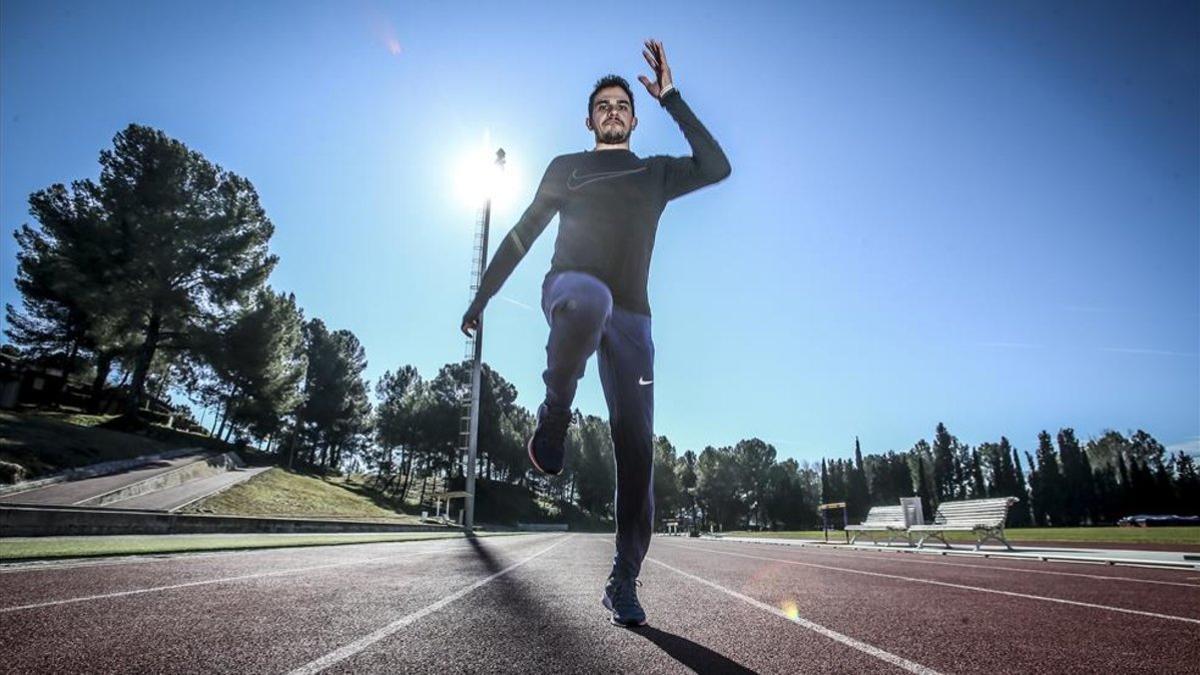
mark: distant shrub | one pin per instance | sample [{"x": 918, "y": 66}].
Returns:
[{"x": 11, "y": 473}]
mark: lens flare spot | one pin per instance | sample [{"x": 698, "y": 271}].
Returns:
[{"x": 790, "y": 610}]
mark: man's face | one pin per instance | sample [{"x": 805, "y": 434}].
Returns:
[{"x": 612, "y": 117}]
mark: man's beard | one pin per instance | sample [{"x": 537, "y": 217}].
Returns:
[{"x": 612, "y": 134}]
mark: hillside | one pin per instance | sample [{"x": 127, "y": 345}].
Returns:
[
  {"x": 281, "y": 493},
  {"x": 43, "y": 443}
]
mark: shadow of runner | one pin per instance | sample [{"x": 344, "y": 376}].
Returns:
[
  {"x": 695, "y": 656},
  {"x": 536, "y": 616}
]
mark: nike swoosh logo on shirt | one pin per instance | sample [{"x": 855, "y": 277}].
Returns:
[
  {"x": 643, "y": 381},
  {"x": 576, "y": 181}
]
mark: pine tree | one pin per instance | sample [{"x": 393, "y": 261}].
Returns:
[
  {"x": 259, "y": 363},
  {"x": 1020, "y": 513},
  {"x": 826, "y": 497},
  {"x": 978, "y": 487},
  {"x": 194, "y": 239},
  {"x": 858, "y": 493},
  {"x": 1038, "y": 495},
  {"x": 922, "y": 491},
  {"x": 1010, "y": 487},
  {"x": 668, "y": 489},
  {"x": 1164, "y": 490},
  {"x": 1141, "y": 487},
  {"x": 1125, "y": 496},
  {"x": 65, "y": 274},
  {"x": 1078, "y": 500},
  {"x": 335, "y": 407},
  {"x": 1187, "y": 484},
  {"x": 753, "y": 459},
  {"x": 1049, "y": 492},
  {"x": 943, "y": 464},
  {"x": 958, "y": 484}
]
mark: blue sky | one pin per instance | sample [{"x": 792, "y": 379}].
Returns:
[{"x": 983, "y": 214}]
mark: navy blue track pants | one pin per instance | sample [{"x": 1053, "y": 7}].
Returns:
[{"x": 583, "y": 320}]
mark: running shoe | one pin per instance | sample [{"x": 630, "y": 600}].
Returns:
[
  {"x": 620, "y": 598},
  {"x": 547, "y": 446}
]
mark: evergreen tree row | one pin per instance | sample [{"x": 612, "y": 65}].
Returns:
[{"x": 153, "y": 279}]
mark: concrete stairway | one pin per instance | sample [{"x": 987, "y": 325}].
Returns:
[{"x": 158, "y": 484}]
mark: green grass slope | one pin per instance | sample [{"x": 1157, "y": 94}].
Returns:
[
  {"x": 44, "y": 443},
  {"x": 281, "y": 493}
]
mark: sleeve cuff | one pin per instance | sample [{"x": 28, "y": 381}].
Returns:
[{"x": 671, "y": 93}]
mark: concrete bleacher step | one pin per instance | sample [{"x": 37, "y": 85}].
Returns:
[
  {"x": 67, "y": 492},
  {"x": 178, "y": 496},
  {"x": 199, "y": 469}
]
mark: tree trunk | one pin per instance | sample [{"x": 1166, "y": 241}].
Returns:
[
  {"x": 222, "y": 415},
  {"x": 161, "y": 390},
  {"x": 406, "y": 467},
  {"x": 424, "y": 485},
  {"x": 397, "y": 467},
  {"x": 103, "y": 367},
  {"x": 142, "y": 366},
  {"x": 323, "y": 461},
  {"x": 67, "y": 369}
]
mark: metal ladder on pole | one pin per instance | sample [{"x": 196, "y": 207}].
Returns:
[
  {"x": 466, "y": 399},
  {"x": 469, "y": 420}
]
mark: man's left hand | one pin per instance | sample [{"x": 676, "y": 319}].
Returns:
[{"x": 657, "y": 58}]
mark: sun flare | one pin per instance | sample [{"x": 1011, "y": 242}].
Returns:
[{"x": 477, "y": 177}]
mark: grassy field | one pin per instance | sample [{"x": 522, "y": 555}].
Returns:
[
  {"x": 1189, "y": 536},
  {"x": 278, "y": 492},
  {"x": 47, "y": 443},
  {"x": 42, "y": 548}
]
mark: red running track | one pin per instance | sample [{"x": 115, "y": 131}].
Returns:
[{"x": 530, "y": 604}]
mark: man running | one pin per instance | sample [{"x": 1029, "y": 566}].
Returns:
[{"x": 609, "y": 201}]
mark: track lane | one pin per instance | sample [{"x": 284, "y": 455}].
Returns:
[
  {"x": 546, "y": 617},
  {"x": 269, "y": 624},
  {"x": 1182, "y": 600},
  {"x": 951, "y": 630},
  {"x": 58, "y": 583}
]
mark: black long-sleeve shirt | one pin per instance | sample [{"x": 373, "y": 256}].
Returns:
[{"x": 609, "y": 203}]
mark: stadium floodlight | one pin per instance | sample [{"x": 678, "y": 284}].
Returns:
[{"x": 490, "y": 182}]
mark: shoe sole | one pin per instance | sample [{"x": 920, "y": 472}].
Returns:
[
  {"x": 534, "y": 462},
  {"x": 613, "y": 614}
]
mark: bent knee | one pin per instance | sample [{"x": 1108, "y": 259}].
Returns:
[{"x": 589, "y": 304}]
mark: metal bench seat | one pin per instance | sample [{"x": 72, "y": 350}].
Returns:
[
  {"x": 984, "y": 517},
  {"x": 882, "y": 519}
]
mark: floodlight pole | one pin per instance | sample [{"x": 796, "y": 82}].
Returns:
[{"x": 477, "y": 367}]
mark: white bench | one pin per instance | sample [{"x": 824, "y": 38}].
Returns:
[
  {"x": 889, "y": 519},
  {"x": 984, "y": 517}
]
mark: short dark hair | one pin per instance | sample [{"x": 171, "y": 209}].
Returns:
[{"x": 610, "y": 81}]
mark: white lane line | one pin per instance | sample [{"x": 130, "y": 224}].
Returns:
[
  {"x": 843, "y": 556},
  {"x": 206, "y": 582},
  {"x": 359, "y": 645},
  {"x": 1027, "y": 596},
  {"x": 861, "y": 646}
]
